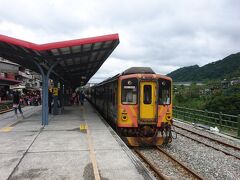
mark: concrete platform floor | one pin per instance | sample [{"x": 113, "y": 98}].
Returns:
[{"x": 75, "y": 145}]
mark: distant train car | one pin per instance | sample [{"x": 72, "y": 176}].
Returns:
[{"x": 138, "y": 104}]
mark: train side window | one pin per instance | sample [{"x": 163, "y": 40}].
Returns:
[
  {"x": 147, "y": 93},
  {"x": 164, "y": 92}
]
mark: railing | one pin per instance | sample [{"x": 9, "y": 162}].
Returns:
[{"x": 229, "y": 124}]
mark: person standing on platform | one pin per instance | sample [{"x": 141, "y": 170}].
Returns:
[
  {"x": 81, "y": 97},
  {"x": 16, "y": 104},
  {"x": 77, "y": 98},
  {"x": 73, "y": 98},
  {"x": 50, "y": 99}
]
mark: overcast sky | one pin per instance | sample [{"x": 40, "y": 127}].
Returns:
[{"x": 164, "y": 35}]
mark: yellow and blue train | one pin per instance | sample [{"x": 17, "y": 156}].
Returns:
[{"x": 138, "y": 104}]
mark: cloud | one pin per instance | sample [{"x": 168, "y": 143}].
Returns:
[{"x": 164, "y": 35}]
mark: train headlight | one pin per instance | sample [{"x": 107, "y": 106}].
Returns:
[
  {"x": 168, "y": 116},
  {"x": 124, "y": 116}
]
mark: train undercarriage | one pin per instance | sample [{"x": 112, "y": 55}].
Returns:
[{"x": 147, "y": 135}]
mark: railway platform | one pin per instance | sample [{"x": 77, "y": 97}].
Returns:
[{"x": 77, "y": 144}]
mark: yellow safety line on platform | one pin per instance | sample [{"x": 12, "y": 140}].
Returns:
[
  {"x": 83, "y": 127},
  {"x": 91, "y": 154},
  {"x": 6, "y": 129},
  {"x": 9, "y": 127}
]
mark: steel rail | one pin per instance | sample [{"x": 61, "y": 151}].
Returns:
[
  {"x": 218, "y": 141},
  {"x": 181, "y": 164},
  {"x": 229, "y": 154},
  {"x": 157, "y": 172}
]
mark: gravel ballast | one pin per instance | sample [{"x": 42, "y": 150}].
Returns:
[
  {"x": 209, "y": 142},
  {"x": 207, "y": 162},
  {"x": 218, "y": 136},
  {"x": 165, "y": 165}
]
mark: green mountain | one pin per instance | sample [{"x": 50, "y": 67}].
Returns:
[{"x": 225, "y": 68}]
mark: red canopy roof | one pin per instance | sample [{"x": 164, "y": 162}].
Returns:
[{"x": 79, "y": 59}]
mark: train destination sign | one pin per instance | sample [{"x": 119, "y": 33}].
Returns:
[{"x": 129, "y": 87}]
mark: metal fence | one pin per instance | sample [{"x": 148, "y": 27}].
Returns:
[{"x": 225, "y": 122}]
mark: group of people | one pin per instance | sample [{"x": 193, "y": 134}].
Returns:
[
  {"x": 27, "y": 99},
  {"x": 31, "y": 98},
  {"x": 35, "y": 99},
  {"x": 17, "y": 103},
  {"x": 77, "y": 98}
]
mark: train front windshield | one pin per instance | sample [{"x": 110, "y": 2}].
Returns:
[
  {"x": 129, "y": 91},
  {"x": 164, "y": 96}
]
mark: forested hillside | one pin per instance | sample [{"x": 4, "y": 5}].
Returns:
[{"x": 225, "y": 68}]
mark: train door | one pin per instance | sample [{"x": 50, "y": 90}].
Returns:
[{"x": 147, "y": 100}]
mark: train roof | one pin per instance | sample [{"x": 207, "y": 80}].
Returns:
[
  {"x": 109, "y": 79},
  {"x": 132, "y": 70},
  {"x": 138, "y": 70}
]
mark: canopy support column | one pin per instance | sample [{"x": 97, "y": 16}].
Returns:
[
  {"x": 45, "y": 78},
  {"x": 43, "y": 92},
  {"x": 46, "y": 89}
]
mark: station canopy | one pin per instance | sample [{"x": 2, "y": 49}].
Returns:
[{"x": 78, "y": 59}]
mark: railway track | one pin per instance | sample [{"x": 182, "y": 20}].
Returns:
[
  {"x": 221, "y": 143},
  {"x": 158, "y": 173},
  {"x": 180, "y": 169}
]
